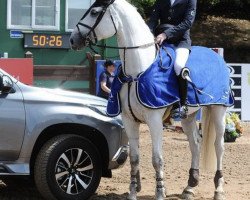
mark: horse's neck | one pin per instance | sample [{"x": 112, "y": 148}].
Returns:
[{"x": 134, "y": 32}]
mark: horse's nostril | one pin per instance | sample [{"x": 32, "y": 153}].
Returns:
[{"x": 71, "y": 41}]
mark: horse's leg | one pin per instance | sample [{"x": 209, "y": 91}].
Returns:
[
  {"x": 156, "y": 130},
  {"x": 132, "y": 131},
  {"x": 191, "y": 130},
  {"x": 218, "y": 114}
]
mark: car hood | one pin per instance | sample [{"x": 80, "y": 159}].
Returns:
[
  {"x": 85, "y": 98},
  {"x": 31, "y": 93}
]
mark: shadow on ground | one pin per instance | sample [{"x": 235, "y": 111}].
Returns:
[
  {"x": 25, "y": 190},
  {"x": 113, "y": 196}
]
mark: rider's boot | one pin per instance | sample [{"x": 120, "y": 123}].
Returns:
[{"x": 182, "y": 111}]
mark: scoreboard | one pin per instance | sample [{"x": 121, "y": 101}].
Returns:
[{"x": 44, "y": 40}]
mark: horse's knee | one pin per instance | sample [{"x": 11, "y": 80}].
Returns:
[
  {"x": 157, "y": 162},
  {"x": 134, "y": 160},
  {"x": 193, "y": 180}
]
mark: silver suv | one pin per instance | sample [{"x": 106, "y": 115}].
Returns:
[{"x": 64, "y": 140}]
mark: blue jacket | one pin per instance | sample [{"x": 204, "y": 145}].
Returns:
[{"x": 175, "y": 20}]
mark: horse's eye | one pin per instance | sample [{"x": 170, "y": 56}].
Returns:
[{"x": 95, "y": 11}]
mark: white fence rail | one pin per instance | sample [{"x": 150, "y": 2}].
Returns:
[{"x": 240, "y": 84}]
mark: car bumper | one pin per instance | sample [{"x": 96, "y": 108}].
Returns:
[{"x": 119, "y": 158}]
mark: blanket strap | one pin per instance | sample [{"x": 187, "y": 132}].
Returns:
[
  {"x": 129, "y": 104},
  {"x": 197, "y": 90}
]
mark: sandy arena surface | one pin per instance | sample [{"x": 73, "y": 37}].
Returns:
[{"x": 177, "y": 162}]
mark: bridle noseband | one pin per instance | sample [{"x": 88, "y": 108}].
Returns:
[{"x": 87, "y": 40}]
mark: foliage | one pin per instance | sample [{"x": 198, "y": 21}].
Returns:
[
  {"x": 229, "y": 8},
  {"x": 144, "y": 6},
  {"x": 233, "y": 8},
  {"x": 233, "y": 127}
]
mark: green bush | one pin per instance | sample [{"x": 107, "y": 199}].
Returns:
[
  {"x": 144, "y": 6},
  {"x": 218, "y": 7},
  {"x": 230, "y": 136}
]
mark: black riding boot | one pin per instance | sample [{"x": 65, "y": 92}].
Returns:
[
  {"x": 183, "y": 97},
  {"x": 183, "y": 110}
]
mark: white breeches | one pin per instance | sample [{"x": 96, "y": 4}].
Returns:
[{"x": 180, "y": 60}]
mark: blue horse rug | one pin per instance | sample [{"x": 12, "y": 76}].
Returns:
[{"x": 157, "y": 87}]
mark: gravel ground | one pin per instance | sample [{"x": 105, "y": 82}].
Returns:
[{"x": 177, "y": 161}]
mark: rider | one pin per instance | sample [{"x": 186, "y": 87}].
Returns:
[{"x": 176, "y": 18}]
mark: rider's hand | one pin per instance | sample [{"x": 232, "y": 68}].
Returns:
[{"x": 160, "y": 38}]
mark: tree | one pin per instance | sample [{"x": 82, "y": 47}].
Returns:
[
  {"x": 231, "y": 8},
  {"x": 144, "y": 6}
]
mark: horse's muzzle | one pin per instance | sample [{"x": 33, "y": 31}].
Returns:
[{"x": 77, "y": 41}]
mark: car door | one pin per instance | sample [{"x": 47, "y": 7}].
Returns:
[{"x": 12, "y": 124}]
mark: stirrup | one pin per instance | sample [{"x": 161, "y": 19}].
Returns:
[
  {"x": 175, "y": 113},
  {"x": 179, "y": 112},
  {"x": 185, "y": 74},
  {"x": 183, "y": 112}
]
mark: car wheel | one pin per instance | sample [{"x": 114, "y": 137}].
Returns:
[{"x": 68, "y": 167}]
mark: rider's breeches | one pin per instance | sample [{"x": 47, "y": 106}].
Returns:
[{"x": 181, "y": 59}]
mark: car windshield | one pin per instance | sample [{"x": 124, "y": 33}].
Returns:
[{"x": 2, "y": 73}]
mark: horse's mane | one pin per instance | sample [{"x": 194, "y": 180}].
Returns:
[{"x": 135, "y": 25}]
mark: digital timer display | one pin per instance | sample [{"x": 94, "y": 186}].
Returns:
[{"x": 39, "y": 40}]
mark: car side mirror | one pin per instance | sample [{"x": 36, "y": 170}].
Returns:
[{"x": 6, "y": 84}]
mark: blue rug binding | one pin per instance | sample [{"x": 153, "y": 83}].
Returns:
[{"x": 157, "y": 87}]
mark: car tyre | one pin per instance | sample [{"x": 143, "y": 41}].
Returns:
[{"x": 68, "y": 167}]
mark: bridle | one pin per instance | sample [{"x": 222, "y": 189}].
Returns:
[
  {"x": 88, "y": 41},
  {"x": 87, "y": 37}
]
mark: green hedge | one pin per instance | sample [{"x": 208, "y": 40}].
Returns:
[
  {"x": 144, "y": 6},
  {"x": 235, "y": 8}
]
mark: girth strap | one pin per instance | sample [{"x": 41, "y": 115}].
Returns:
[{"x": 129, "y": 104}]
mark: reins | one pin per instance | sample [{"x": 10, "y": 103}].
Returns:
[
  {"x": 91, "y": 44},
  {"x": 88, "y": 42}
]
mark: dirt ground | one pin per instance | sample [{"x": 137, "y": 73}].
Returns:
[{"x": 177, "y": 162}]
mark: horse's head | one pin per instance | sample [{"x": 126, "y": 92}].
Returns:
[{"x": 96, "y": 24}]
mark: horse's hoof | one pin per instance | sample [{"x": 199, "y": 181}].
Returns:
[
  {"x": 131, "y": 197},
  {"x": 187, "y": 195},
  {"x": 138, "y": 188},
  {"x": 219, "y": 196},
  {"x": 160, "y": 193}
]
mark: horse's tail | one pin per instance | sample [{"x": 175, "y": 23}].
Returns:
[{"x": 208, "y": 134}]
